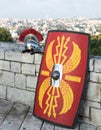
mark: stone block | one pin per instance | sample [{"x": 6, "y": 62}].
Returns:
[
  {"x": 4, "y": 65},
  {"x": 95, "y": 116},
  {"x": 19, "y": 57},
  {"x": 5, "y": 45},
  {"x": 60, "y": 128},
  {"x": 32, "y": 123},
  {"x": 95, "y": 77},
  {"x": 16, "y": 67},
  {"x": 6, "y": 78},
  {"x": 27, "y": 58},
  {"x": 2, "y": 54},
  {"x": 47, "y": 126},
  {"x": 37, "y": 68},
  {"x": 13, "y": 56},
  {"x": 28, "y": 69},
  {"x": 91, "y": 64},
  {"x": 85, "y": 126},
  {"x": 38, "y": 58},
  {"x": 31, "y": 82},
  {"x": 15, "y": 118},
  {"x": 13, "y": 47},
  {"x": 21, "y": 47},
  {"x": 2, "y": 91},
  {"x": 5, "y": 107},
  {"x": 97, "y": 65},
  {"x": 84, "y": 111},
  {"x": 99, "y": 128},
  {"x": 93, "y": 92},
  {"x": 20, "y": 81},
  {"x": 21, "y": 96}
]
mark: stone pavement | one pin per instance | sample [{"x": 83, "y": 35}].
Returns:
[{"x": 16, "y": 116}]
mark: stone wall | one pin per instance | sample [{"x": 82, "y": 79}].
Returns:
[
  {"x": 18, "y": 80},
  {"x": 18, "y": 74}
]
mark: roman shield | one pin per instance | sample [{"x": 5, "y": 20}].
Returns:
[{"x": 62, "y": 77}]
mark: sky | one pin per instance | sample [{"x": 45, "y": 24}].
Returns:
[{"x": 50, "y": 8}]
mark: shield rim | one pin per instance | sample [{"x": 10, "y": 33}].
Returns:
[{"x": 85, "y": 86}]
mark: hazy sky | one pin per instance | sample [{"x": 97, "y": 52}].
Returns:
[{"x": 50, "y": 8}]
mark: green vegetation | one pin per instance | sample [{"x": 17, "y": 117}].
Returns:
[
  {"x": 95, "y": 45},
  {"x": 5, "y": 35}
]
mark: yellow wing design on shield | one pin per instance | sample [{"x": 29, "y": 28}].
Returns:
[
  {"x": 67, "y": 95},
  {"x": 49, "y": 59},
  {"x": 44, "y": 86},
  {"x": 73, "y": 61}
]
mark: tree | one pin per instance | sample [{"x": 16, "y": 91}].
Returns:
[
  {"x": 95, "y": 45},
  {"x": 5, "y": 35}
]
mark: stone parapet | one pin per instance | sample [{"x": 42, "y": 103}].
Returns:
[{"x": 18, "y": 81}]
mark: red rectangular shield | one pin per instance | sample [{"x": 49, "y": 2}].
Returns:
[{"x": 62, "y": 77}]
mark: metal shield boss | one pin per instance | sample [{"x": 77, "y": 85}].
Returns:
[{"x": 62, "y": 77}]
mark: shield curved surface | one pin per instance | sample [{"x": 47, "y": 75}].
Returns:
[{"x": 62, "y": 77}]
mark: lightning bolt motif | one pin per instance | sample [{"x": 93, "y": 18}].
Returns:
[
  {"x": 47, "y": 101},
  {"x": 61, "y": 49},
  {"x": 65, "y": 50},
  {"x": 52, "y": 99},
  {"x": 55, "y": 102},
  {"x": 57, "y": 50}
]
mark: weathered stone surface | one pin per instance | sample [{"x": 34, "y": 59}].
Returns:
[
  {"x": 6, "y": 78},
  {"x": 97, "y": 65},
  {"x": 15, "y": 118},
  {"x": 95, "y": 77},
  {"x": 4, "y": 45},
  {"x": 18, "y": 56},
  {"x": 1, "y": 54},
  {"x": 96, "y": 116},
  {"x": 85, "y": 126},
  {"x": 20, "y": 81},
  {"x": 91, "y": 64},
  {"x": 4, "y": 65},
  {"x": 38, "y": 58},
  {"x": 93, "y": 92},
  {"x": 13, "y": 56},
  {"x": 5, "y": 107},
  {"x": 99, "y": 128},
  {"x": 28, "y": 69},
  {"x": 62, "y": 128},
  {"x": 13, "y": 47},
  {"x": 31, "y": 82},
  {"x": 21, "y": 96},
  {"x": 47, "y": 126},
  {"x": 31, "y": 123},
  {"x": 37, "y": 68},
  {"x": 26, "y": 57},
  {"x": 2, "y": 91},
  {"x": 16, "y": 67},
  {"x": 85, "y": 107}
]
